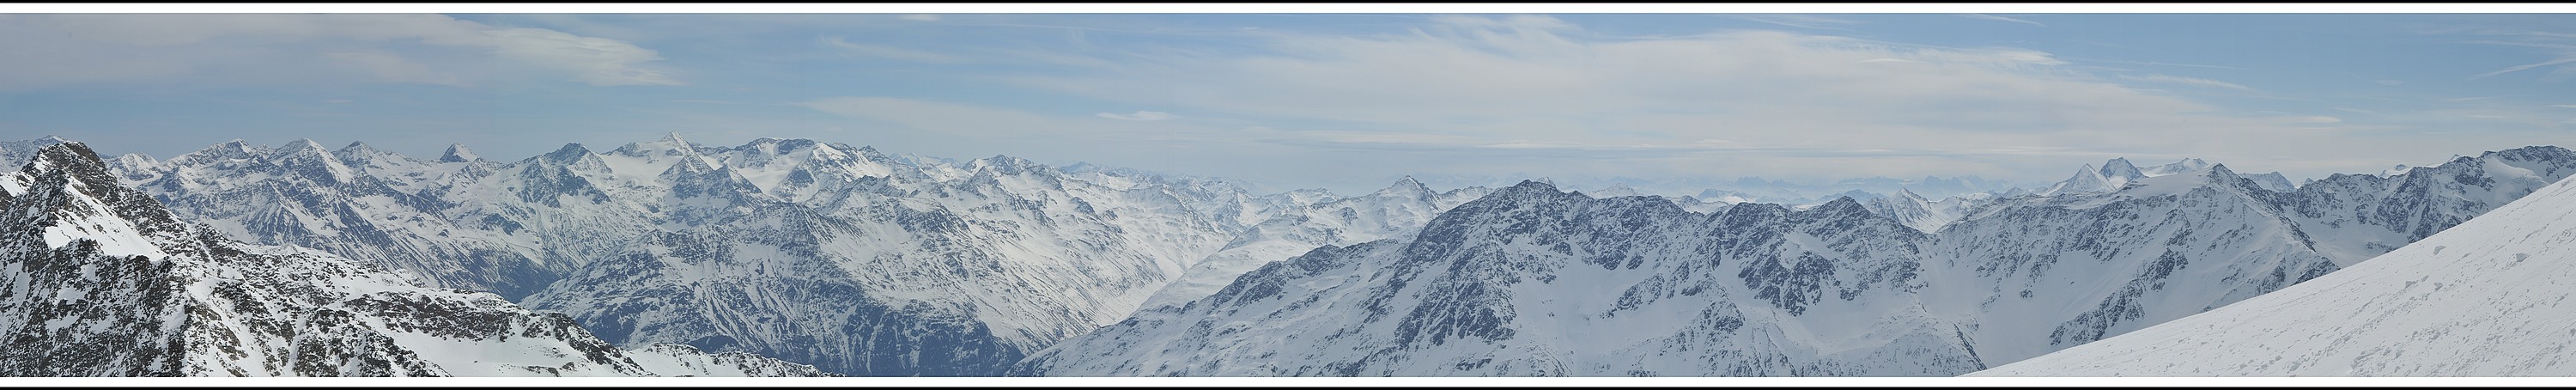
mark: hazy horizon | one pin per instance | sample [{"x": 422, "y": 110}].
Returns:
[{"x": 1347, "y": 102}]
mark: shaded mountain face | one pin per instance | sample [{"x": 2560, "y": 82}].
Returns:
[
  {"x": 2478, "y": 299},
  {"x": 1530, "y": 281},
  {"x": 100, "y": 280}
]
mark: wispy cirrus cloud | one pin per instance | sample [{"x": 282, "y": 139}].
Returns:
[
  {"x": 881, "y": 51},
  {"x": 2000, "y": 18},
  {"x": 1473, "y": 87},
  {"x": 1797, "y": 20},
  {"x": 48, "y": 50},
  {"x": 1145, "y": 116},
  {"x": 2191, "y": 81},
  {"x": 2559, "y": 48}
]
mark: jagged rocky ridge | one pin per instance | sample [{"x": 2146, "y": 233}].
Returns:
[
  {"x": 1530, "y": 281},
  {"x": 101, "y": 280}
]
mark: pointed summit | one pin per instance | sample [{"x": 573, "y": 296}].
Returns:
[
  {"x": 1406, "y": 188},
  {"x": 2121, "y": 169},
  {"x": 1902, "y": 192},
  {"x": 570, "y": 153},
  {"x": 2220, "y": 174},
  {"x": 2086, "y": 180},
  {"x": 458, "y": 153},
  {"x": 301, "y": 144},
  {"x": 670, "y": 145},
  {"x": 69, "y": 158},
  {"x": 235, "y": 147},
  {"x": 1841, "y": 205},
  {"x": 69, "y": 188}
]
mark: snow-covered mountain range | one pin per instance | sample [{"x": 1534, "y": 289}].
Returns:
[
  {"x": 1534, "y": 281},
  {"x": 2484, "y": 298},
  {"x": 866, "y": 263},
  {"x": 97, "y": 279},
  {"x": 857, "y": 261}
]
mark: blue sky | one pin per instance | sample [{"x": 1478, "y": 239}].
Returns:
[{"x": 1348, "y": 102}]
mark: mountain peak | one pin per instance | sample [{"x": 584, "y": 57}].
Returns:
[
  {"x": 2120, "y": 168},
  {"x": 458, "y": 153},
  {"x": 71, "y": 169},
  {"x": 358, "y": 148},
  {"x": 68, "y": 156},
  {"x": 1406, "y": 188},
  {"x": 1841, "y": 205},
  {"x": 1525, "y": 188},
  {"x": 1909, "y": 194},
  {"x": 237, "y": 145},
  {"x": 566, "y": 155},
  {"x": 2220, "y": 171},
  {"x": 670, "y": 145},
  {"x": 302, "y": 145},
  {"x": 2086, "y": 179}
]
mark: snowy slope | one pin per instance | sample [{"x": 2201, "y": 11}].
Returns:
[
  {"x": 2481, "y": 299},
  {"x": 100, "y": 280}
]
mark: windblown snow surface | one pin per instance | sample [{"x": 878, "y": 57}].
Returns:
[{"x": 2486, "y": 298}]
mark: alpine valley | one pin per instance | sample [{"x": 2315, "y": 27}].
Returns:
[{"x": 677, "y": 258}]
